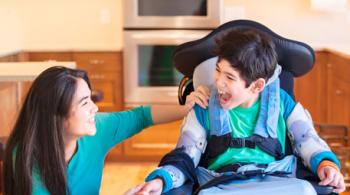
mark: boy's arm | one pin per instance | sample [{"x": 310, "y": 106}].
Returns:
[
  {"x": 178, "y": 166},
  {"x": 307, "y": 144}
]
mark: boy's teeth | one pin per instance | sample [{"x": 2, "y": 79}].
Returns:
[{"x": 221, "y": 92}]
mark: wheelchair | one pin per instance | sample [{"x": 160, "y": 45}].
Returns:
[{"x": 295, "y": 58}]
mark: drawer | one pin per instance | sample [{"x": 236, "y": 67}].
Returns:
[
  {"x": 98, "y": 61},
  {"x": 45, "y": 56},
  {"x": 110, "y": 85}
]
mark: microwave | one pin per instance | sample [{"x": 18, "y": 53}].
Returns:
[{"x": 172, "y": 14}]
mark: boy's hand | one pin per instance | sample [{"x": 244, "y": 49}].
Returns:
[
  {"x": 153, "y": 187},
  {"x": 135, "y": 189},
  {"x": 199, "y": 96},
  {"x": 331, "y": 176}
]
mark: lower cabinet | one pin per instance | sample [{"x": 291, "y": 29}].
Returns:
[
  {"x": 153, "y": 142},
  {"x": 12, "y": 94},
  {"x": 9, "y": 107}
]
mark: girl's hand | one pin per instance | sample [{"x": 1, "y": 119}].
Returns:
[
  {"x": 331, "y": 176},
  {"x": 200, "y": 96}
]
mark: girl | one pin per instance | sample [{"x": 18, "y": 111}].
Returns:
[{"x": 59, "y": 142}]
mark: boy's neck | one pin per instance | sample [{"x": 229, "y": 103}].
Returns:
[{"x": 250, "y": 102}]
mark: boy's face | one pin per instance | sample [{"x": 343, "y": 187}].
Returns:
[{"x": 232, "y": 88}]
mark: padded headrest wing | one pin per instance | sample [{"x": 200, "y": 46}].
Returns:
[{"x": 295, "y": 57}]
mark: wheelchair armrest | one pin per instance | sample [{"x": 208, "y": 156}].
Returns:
[
  {"x": 186, "y": 189},
  {"x": 321, "y": 189}
]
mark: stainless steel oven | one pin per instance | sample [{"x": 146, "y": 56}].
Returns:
[
  {"x": 152, "y": 30},
  {"x": 149, "y": 75},
  {"x": 180, "y": 14}
]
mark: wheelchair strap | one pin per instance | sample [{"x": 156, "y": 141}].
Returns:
[
  {"x": 235, "y": 166},
  {"x": 219, "y": 144},
  {"x": 239, "y": 176}
]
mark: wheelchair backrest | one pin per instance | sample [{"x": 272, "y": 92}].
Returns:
[{"x": 296, "y": 58}]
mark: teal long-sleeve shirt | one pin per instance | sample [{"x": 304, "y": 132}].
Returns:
[{"x": 84, "y": 171}]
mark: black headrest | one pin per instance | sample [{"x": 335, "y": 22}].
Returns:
[{"x": 296, "y": 57}]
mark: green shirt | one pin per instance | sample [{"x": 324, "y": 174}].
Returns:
[
  {"x": 242, "y": 122},
  {"x": 84, "y": 171}
]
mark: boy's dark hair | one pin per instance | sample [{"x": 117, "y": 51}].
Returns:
[{"x": 250, "y": 52}]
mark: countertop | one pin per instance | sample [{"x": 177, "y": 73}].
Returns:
[
  {"x": 340, "y": 49},
  {"x": 27, "y": 71}
]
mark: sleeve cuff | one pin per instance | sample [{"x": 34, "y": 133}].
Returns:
[
  {"x": 148, "y": 115},
  {"x": 168, "y": 182},
  {"x": 325, "y": 163},
  {"x": 316, "y": 160}
]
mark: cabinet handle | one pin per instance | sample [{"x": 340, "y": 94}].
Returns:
[
  {"x": 97, "y": 95},
  {"x": 96, "y": 62},
  {"x": 339, "y": 92}
]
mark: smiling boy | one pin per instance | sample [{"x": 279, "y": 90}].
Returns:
[{"x": 244, "y": 129}]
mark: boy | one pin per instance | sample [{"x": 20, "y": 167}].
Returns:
[{"x": 244, "y": 130}]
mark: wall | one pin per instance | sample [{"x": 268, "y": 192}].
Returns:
[
  {"x": 11, "y": 32},
  {"x": 97, "y": 24},
  {"x": 69, "y": 25},
  {"x": 295, "y": 19}
]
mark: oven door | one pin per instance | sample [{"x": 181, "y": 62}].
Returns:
[
  {"x": 193, "y": 14},
  {"x": 149, "y": 75}
]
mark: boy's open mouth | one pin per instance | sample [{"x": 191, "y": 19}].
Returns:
[{"x": 224, "y": 97}]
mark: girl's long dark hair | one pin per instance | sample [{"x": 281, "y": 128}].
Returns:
[{"x": 36, "y": 141}]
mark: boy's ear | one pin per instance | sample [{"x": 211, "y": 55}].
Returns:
[{"x": 258, "y": 85}]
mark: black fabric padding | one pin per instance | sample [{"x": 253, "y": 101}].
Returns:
[{"x": 295, "y": 57}]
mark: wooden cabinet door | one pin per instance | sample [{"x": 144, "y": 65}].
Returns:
[
  {"x": 110, "y": 87},
  {"x": 9, "y": 107},
  {"x": 338, "y": 109},
  {"x": 105, "y": 72},
  {"x": 12, "y": 95},
  {"x": 154, "y": 142},
  {"x": 310, "y": 89}
]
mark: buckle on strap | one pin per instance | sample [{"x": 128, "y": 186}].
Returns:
[{"x": 241, "y": 143}]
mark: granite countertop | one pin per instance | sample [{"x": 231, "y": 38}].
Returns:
[{"x": 27, "y": 71}]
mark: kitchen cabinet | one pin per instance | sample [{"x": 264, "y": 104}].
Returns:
[
  {"x": 309, "y": 89},
  {"x": 12, "y": 94},
  {"x": 104, "y": 70},
  {"x": 105, "y": 73},
  {"x": 325, "y": 92},
  {"x": 154, "y": 142},
  {"x": 9, "y": 106},
  {"x": 338, "y": 90},
  {"x": 47, "y": 56}
]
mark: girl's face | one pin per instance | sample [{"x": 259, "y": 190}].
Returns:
[
  {"x": 81, "y": 118},
  {"x": 232, "y": 88}
]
